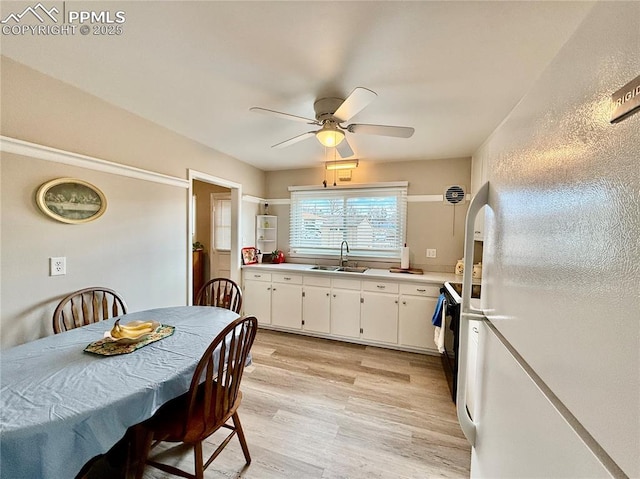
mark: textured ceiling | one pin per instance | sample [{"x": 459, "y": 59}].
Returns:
[{"x": 451, "y": 70}]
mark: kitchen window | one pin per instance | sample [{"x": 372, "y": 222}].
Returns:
[{"x": 371, "y": 219}]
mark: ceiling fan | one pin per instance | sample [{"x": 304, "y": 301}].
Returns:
[{"x": 331, "y": 115}]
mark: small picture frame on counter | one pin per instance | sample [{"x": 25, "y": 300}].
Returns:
[{"x": 249, "y": 255}]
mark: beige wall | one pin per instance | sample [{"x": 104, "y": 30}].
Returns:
[
  {"x": 429, "y": 224},
  {"x": 139, "y": 246}
]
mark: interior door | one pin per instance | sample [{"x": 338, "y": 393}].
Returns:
[{"x": 220, "y": 250}]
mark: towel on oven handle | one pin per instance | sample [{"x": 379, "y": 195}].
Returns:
[
  {"x": 437, "y": 321},
  {"x": 437, "y": 314}
]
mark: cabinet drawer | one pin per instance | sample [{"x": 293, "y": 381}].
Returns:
[
  {"x": 345, "y": 283},
  {"x": 420, "y": 289},
  {"x": 380, "y": 286},
  {"x": 317, "y": 281},
  {"x": 287, "y": 278},
  {"x": 258, "y": 276}
]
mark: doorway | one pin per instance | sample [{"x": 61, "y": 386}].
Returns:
[
  {"x": 220, "y": 234},
  {"x": 214, "y": 212}
]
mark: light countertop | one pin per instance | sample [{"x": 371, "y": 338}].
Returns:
[{"x": 372, "y": 273}]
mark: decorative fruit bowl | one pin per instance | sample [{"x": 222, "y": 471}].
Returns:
[{"x": 132, "y": 332}]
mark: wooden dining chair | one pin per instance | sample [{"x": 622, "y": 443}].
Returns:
[
  {"x": 212, "y": 400},
  {"x": 86, "y": 306},
  {"x": 221, "y": 292}
]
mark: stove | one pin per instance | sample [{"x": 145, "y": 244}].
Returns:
[{"x": 453, "y": 300}]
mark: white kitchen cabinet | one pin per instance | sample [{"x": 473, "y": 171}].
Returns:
[
  {"x": 379, "y": 311},
  {"x": 316, "y": 304},
  {"x": 414, "y": 318},
  {"x": 266, "y": 233},
  {"x": 345, "y": 312},
  {"x": 379, "y": 317},
  {"x": 417, "y": 304},
  {"x": 286, "y": 300},
  {"x": 365, "y": 310},
  {"x": 256, "y": 298},
  {"x": 316, "y": 309}
]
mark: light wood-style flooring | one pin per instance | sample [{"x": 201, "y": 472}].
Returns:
[{"x": 315, "y": 408}]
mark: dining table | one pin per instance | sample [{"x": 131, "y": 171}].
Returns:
[{"x": 61, "y": 406}]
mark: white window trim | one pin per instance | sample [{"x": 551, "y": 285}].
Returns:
[{"x": 388, "y": 184}]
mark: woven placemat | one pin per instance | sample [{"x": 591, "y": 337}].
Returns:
[{"x": 108, "y": 347}]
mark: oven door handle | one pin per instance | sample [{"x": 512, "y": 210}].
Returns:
[{"x": 466, "y": 313}]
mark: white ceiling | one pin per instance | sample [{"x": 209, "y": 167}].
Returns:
[{"x": 452, "y": 70}]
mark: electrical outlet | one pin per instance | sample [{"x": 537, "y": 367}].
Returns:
[
  {"x": 57, "y": 266},
  {"x": 431, "y": 253}
]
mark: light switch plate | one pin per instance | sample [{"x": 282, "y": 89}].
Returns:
[
  {"x": 431, "y": 253},
  {"x": 57, "y": 266}
]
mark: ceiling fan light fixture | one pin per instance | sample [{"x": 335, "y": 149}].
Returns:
[
  {"x": 329, "y": 136},
  {"x": 341, "y": 165}
]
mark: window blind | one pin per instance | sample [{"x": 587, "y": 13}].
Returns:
[
  {"x": 371, "y": 220},
  {"x": 222, "y": 231}
]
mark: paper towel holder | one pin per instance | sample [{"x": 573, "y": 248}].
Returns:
[{"x": 404, "y": 257}]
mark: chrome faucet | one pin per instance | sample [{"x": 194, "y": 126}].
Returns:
[{"x": 343, "y": 259}]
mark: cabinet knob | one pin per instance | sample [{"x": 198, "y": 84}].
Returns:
[
  {"x": 328, "y": 294},
  {"x": 273, "y": 289},
  {"x": 420, "y": 290},
  {"x": 334, "y": 295},
  {"x": 396, "y": 301},
  {"x": 404, "y": 302},
  {"x": 380, "y": 286},
  {"x": 287, "y": 278}
]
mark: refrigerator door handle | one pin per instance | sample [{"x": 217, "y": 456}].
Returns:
[
  {"x": 479, "y": 200},
  {"x": 466, "y": 313}
]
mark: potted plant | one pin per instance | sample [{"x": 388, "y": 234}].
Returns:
[
  {"x": 197, "y": 246},
  {"x": 277, "y": 256}
]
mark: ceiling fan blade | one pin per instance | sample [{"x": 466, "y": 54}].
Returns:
[
  {"x": 355, "y": 102},
  {"x": 286, "y": 116},
  {"x": 344, "y": 149},
  {"x": 295, "y": 139},
  {"x": 383, "y": 130}
]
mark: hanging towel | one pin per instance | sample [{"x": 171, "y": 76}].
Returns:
[
  {"x": 437, "y": 314},
  {"x": 437, "y": 320}
]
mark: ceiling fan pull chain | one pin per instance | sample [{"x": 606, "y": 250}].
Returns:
[
  {"x": 325, "y": 170},
  {"x": 334, "y": 170}
]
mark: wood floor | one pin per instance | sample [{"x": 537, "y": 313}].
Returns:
[{"x": 315, "y": 408}]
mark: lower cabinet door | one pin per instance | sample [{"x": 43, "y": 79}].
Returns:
[
  {"x": 415, "y": 328},
  {"x": 379, "y": 316},
  {"x": 316, "y": 309},
  {"x": 256, "y": 300},
  {"x": 345, "y": 313},
  {"x": 286, "y": 305}
]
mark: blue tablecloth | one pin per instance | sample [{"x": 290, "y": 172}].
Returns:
[{"x": 60, "y": 406}]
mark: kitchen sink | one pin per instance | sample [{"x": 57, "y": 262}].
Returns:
[
  {"x": 341, "y": 269},
  {"x": 348, "y": 269},
  {"x": 325, "y": 268}
]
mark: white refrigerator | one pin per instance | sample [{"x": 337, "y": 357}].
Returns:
[{"x": 558, "y": 373}]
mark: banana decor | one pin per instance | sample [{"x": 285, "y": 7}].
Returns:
[{"x": 133, "y": 330}]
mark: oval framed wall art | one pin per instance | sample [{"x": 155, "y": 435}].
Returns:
[{"x": 70, "y": 200}]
